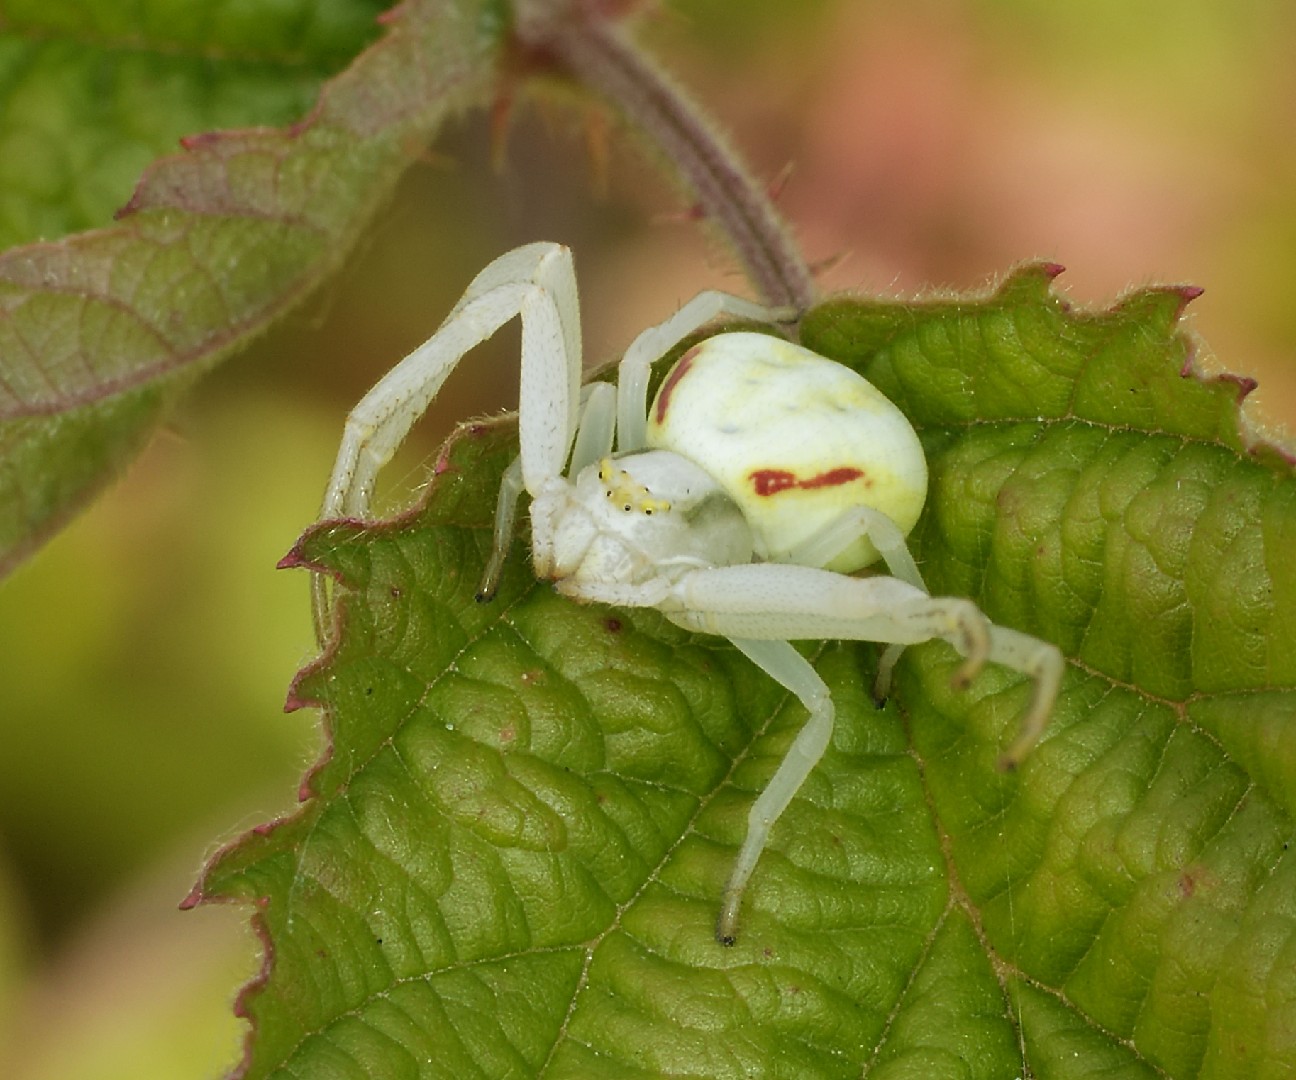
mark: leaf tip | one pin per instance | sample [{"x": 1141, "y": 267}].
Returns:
[
  {"x": 301, "y": 556},
  {"x": 298, "y": 556},
  {"x": 307, "y": 790},
  {"x": 300, "y": 698},
  {"x": 1164, "y": 304},
  {"x": 1183, "y": 295},
  {"x": 295, "y": 701},
  {"x": 1030, "y": 281},
  {"x": 1244, "y": 384},
  {"x": 129, "y": 207}
]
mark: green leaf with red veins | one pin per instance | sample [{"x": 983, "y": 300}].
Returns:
[
  {"x": 100, "y": 330},
  {"x": 510, "y": 861}
]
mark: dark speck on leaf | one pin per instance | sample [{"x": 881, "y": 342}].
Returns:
[{"x": 613, "y": 624}]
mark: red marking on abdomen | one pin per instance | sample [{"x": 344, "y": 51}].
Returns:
[
  {"x": 772, "y": 481},
  {"x": 672, "y": 380}
]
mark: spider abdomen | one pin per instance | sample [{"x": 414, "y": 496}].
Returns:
[{"x": 795, "y": 439}]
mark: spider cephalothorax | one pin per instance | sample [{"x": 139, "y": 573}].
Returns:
[{"x": 739, "y": 504}]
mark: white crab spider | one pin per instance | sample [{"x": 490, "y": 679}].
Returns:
[{"x": 763, "y": 475}]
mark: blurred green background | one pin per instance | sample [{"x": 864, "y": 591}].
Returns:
[{"x": 146, "y": 652}]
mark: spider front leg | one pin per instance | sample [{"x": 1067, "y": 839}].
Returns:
[
  {"x": 538, "y": 283},
  {"x": 593, "y": 441},
  {"x": 762, "y": 606},
  {"x": 789, "y": 669}
]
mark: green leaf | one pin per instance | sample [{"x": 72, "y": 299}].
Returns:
[
  {"x": 91, "y": 92},
  {"x": 101, "y": 330},
  {"x": 510, "y": 861}
]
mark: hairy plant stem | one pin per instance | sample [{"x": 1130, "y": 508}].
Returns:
[{"x": 603, "y": 58}]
